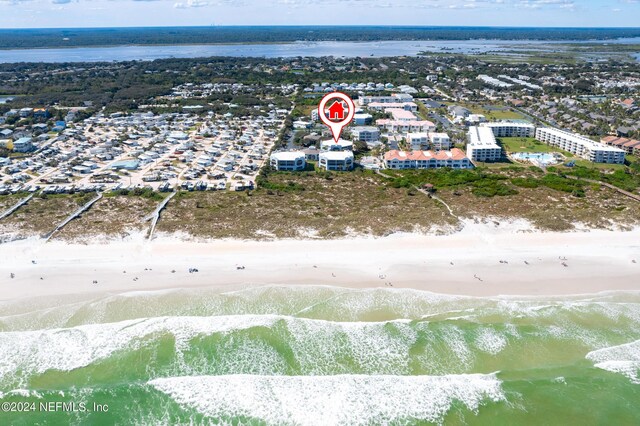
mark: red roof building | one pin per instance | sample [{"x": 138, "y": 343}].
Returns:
[
  {"x": 630, "y": 146},
  {"x": 455, "y": 159}
]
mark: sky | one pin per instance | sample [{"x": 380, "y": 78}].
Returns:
[{"x": 114, "y": 13}]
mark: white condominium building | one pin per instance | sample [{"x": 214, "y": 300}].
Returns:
[
  {"x": 336, "y": 160},
  {"x": 580, "y": 145},
  {"x": 507, "y": 129},
  {"x": 418, "y": 141},
  {"x": 383, "y": 106},
  {"x": 402, "y": 114},
  {"x": 365, "y": 133},
  {"x": 361, "y": 119},
  {"x": 341, "y": 145},
  {"x": 288, "y": 160},
  {"x": 482, "y": 145},
  {"x": 424, "y": 140},
  {"x": 406, "y": 126},
  {"x": 439, "y": 141},
  {"x": 395, "y": 98},
  {"x": 454, "y": 159}
]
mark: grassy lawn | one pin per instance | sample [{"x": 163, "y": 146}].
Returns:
[
  {"x": 490, "y": 114},
  {"x": 598, "y": 166},
  {"x": 308, "y": 204},
  {"x": 502, "y": 115},
  {"x": 512, "y": 145},
  {"x": 632, "y": 159},
  {"x": 423, "y": 112},
  {"x": 528, "y": 145},
  {"x": 306, "y": 109}
]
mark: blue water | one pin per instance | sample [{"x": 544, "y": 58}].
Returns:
[
  {"x": 543, "y": 158},
  {"x": 281, "y": 50}
]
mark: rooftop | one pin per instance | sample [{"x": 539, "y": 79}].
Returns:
[
  {"x": 482, "y": 137},
  {"x": 454, "y": 154},
  {"x": 288, "y": 155},
  {"x": 401, "y": 114},
  {"x": 337, "y": 155},
  {"x": 592, "y": 145}
]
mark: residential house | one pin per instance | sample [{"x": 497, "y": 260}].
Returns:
[{"x": 23, "y": 145}]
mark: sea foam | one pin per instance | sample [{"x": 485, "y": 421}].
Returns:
[
  {"x": 622, "y": 359},
  {"x": 317, "y": 345},
  {"x": 331, "y": 400},
  {"x": 68, "y": 349}
]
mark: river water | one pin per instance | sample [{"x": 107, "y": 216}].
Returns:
[{"x": 281, "y": 50}]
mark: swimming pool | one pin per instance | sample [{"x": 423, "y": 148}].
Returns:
[{"x": 540, "y": 158}]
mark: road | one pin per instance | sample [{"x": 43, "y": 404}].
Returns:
[{"x": 442, "y": 120}]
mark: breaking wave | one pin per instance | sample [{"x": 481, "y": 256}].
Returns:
[
  {"x": 622, "y": 359},
  {"x": 331, "y": 400}
]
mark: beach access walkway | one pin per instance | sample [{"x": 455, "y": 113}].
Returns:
[
  {"x": 428, "y": 194},
  {"x": 16, "y": 206},
  {"x": 608, "y": 185},
  {"x": 155, "y": 215},
  {"x": 73, "y": 215},
  {"x": 440, "y": 200}
]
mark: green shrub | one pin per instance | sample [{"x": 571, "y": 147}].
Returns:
[
  {"x": 561, "y": 183},
  {"x": 525, "y": 182}
]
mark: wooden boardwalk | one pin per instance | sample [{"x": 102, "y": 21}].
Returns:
[
  {"x": 16, "y": 206},
  {"x": 155, "y": 216},
  {"x": 73, "y": 216},
  {"x": 608, "y": 185}
]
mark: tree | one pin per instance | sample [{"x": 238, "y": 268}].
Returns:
[{"x": 360, "y": 146}]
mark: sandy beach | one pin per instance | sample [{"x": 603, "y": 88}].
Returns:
[{"x": 480, "y": 260}]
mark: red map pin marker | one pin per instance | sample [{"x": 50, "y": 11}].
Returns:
[{"x": 338, "y": 116}]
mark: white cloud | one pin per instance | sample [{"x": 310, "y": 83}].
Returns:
[{"x": 191, "y": 3}]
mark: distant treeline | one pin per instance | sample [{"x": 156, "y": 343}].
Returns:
[{"x": 41, "y": 38}]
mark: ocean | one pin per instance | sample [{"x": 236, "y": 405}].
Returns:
[{"x": 303, "y": 355}]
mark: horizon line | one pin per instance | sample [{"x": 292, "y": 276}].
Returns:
[{"x": 402, "y": 26}]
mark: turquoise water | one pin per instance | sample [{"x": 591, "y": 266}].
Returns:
[
  {"x": 543, "y": 158},
  {"x": 322, "y": 356}
]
